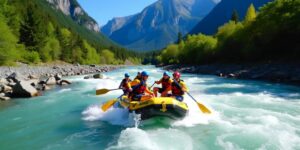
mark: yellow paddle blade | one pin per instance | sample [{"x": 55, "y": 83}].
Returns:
[
  {"x": 102, "y": 91},
  {"x": 203, "y": 108},
  {"x": 108, "y": 104}
]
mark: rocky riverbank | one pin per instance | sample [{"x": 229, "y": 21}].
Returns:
[
  {"x": 30, "y": 81},
  {"x": 288, "y": 73}
]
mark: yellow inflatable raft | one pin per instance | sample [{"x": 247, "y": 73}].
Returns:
[{"x": 159, "y": 106}]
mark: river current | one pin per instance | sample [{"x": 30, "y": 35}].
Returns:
[{"x": 246, "y": 115}]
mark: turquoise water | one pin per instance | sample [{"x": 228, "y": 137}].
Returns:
[{"x": 246, "y": 115}]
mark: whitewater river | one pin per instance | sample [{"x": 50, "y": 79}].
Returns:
[{"x": 246, "y": 115}]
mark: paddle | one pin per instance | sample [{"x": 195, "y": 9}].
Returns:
[
  {"x": 104, "y": 91},
  {"x": 203, "y": 108},
  {"x": 109, "y": 103},
  {"x": 152, "y": 85}
]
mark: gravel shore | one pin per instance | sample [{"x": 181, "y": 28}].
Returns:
[
  {"x": 288, "y": 73},
  {"x": 31, "y": 81},
  {"x": 47, "y": 70}
]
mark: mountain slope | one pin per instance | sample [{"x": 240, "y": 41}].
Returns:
[
  {"x": 158, "y": 24},
  {"x": 222, "y": 14},
  {"x": 43, "y": 30},
  {"x": 67, "y": 14},
  {"x": 73, "y": 9}
]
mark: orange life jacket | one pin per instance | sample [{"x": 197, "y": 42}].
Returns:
[
  {"x": 125, "y": 83},
  {"x": 140, "y": 88},
  {"x": 165, "y": 83},
  {"x": 176, "y": 89}
]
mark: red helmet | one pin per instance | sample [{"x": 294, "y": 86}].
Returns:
[{"x": 176, "y": 74}]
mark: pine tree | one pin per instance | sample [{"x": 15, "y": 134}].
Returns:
[
  {"x": 179, "y": 37},
  {"x": 32, "y": 32},
  {"x": 251, "y": 14},
  {"x": 235, "y": 16}
]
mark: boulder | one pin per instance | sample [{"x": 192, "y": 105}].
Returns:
[
  {"x": 3, "y": 81},
  {"x": 51, "y": 81},
  {"x": 2, "y": 94},
  {"x": 57, "y": 77},
  {"x": 86, "y": 77},
  {"x": 45, "y": 87},
  {"x": 4, "y": 98},
  {"x": 34, "y": 82},
  {"x": 15, "y": 77},
  {"x": 4, "y": 88},
  {"x": 98, "y": 76},
  {"x": 24, "y": 89},
  {"x": 64, "y": 82},
  {"x": 32, "y": 76}
]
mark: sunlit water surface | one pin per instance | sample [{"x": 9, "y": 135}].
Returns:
[{"x": 246, "y": 115}]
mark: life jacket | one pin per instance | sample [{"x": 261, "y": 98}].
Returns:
[
  {"x": 176, "y": 89},
  {"x": 125, "y": 83},
  {"x": 165, "y": 83},
  {"x": 138, "y": 78},
  {"x": 140, "y": 88}
]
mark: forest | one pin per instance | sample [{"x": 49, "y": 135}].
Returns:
[
  {"x": 32, "y": 32},
  {"x": 270, "y": 34}
]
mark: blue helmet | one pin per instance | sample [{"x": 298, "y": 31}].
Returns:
[
  {"x": 127, "y": 75},
  {"x": 167, "y": 74},
  {"x": 145, "y": 73}
]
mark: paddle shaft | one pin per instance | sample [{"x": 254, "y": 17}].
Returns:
[
  {"x": 152, "y": 85},
  {"x": 191, "y": 96}
]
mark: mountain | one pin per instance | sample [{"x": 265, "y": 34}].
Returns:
[
  {"x": 73, "y": 9},
  {"x": 222, "y": 13},
  {"x": 49, "y": 30},
  {"x": 69, "y": 14},
  {"x": 158, "y": 24}
]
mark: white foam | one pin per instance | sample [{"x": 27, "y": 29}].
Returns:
[
  {"x": 161, "y": 139},
  {"x": 64, "y": 90},
  {"x": 195, "y": 116},
  {"x": 116, "y": 116}
]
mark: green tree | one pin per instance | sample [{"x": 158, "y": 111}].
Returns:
[
  {"x": 8, "y": 42},
  {"x": 32, "y": 30},
  {"x": 51, "y": 50},
  {"x": 235, "y": 16},
  {"x": 170, "y": 54},
  {"x": 179, "y": 37},
  {"x": 65, "y": 38},
  {"x": 250, "y": 15},
  {"x": 107, "y": 57},
  {"x": 90, "y": 54}
]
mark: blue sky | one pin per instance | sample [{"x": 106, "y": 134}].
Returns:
[{"x": 104, "y": 10}]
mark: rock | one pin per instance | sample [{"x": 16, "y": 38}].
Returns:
[
  {"x": 34, "y": 82},
  {"x": 231, "y": 75},
  {"x": 15, "y": 77},
  {"x": 11, "y": 84},
  {"x": 55, "y": 67},
  {"x": 4, "y": 98},
  {"x": 51, "y": 81},
  {"x": 42, "y": 82},
  {"x": 24, "y": 89},
  {"x": 3, "y": 81},
  {"x": 86, "y": 77},
  {"x": 45, "y": 88},
  {"x": 5, "y": 88},
  {"x": 58, "y": 77},
  {"x": 32, "y": 76},
  {"x": 64, "y": 82},
  {"x": 98, "y": 76}
]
